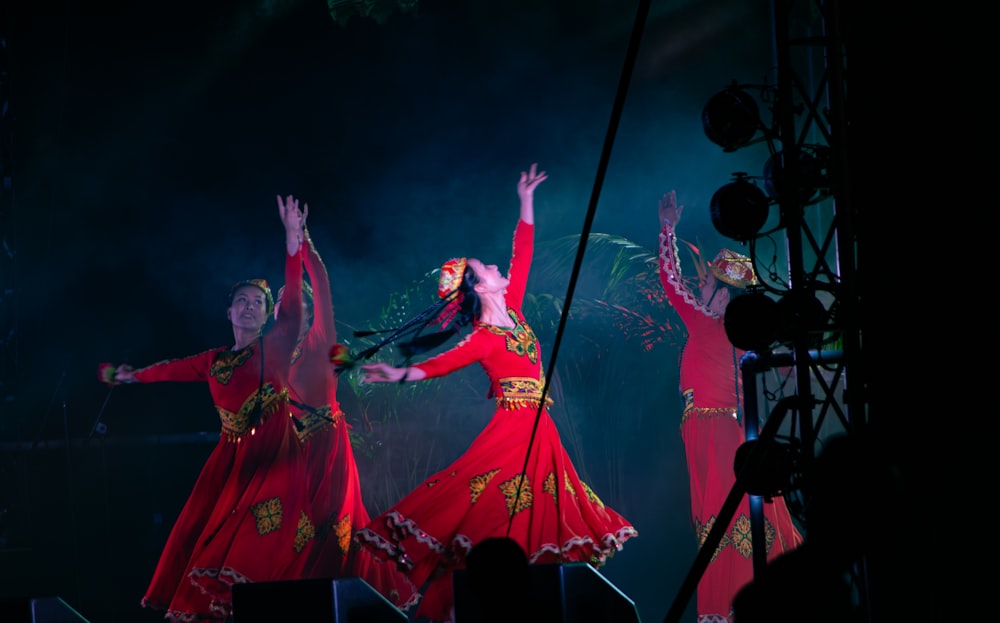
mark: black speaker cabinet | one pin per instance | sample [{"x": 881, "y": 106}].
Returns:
[
  {"x": 38, "y": 610},
  {"x": 558, "y": 593},
  {"x": 344, "y": 600}
]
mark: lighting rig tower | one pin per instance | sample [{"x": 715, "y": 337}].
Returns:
[{"x": 805, "y": 317}]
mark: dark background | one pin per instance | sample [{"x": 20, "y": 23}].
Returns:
[{"x": 147, "y": 144}]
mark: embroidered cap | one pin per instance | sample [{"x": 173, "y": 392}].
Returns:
[
  {"x": 451, "y": 276},
  {"x": 733, "y": 269}
]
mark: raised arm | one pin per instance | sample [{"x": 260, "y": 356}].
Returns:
[
  {"x": 670, "y": 212},
  {"x": 683, "y": 300},
  {"x": 294, "y": 221},
  {"x": 323, "y": 323},
  {"x": 526, "y": 191}
]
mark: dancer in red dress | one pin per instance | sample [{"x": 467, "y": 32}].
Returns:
[
  {"x": 710, "y": 428},
  {"x": 246, "y": 518},
  {"x": 549, "y": 511},
  {"x": 337, "y": 509}
]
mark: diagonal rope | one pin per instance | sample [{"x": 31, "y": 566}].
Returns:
[{"x": 609, "y": 139}]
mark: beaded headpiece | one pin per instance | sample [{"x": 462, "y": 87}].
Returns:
[
  {"x": 733, "y": 269},
  {"x": 449, "y": 281},
  {"x": 258, "y": 283},
  {"x": 452, "y": 273}
]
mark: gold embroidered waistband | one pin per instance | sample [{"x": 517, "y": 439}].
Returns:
[
  {"x": 702, "y": 412},
  {"x": 237, "y": 424},
  {"x": 517, "y": 392},
  {"x": 312, "y": 422}
]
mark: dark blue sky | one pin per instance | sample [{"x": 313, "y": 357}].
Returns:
[{"x": 149, "y": 141}]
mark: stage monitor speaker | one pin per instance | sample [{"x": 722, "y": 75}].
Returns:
[
  {"x": 560, "y": 593},
  {"x": 343, "y": 600},
  {"x": 38, "y": 610}
]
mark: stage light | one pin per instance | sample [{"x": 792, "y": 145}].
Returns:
[
  {"x": 808, "y": 176},
  {"x": 739, "y": 209},
  {"x": 751, "y": 321},
  {"x": 730, "y": 118},
  {"x": 800, "y": 315},
  {"x": 770, "y": 473}
]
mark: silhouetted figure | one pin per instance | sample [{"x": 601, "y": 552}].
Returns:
[{"x": 500, "y": 582}]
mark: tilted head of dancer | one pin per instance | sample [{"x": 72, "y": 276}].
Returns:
[
  {"x": 250, "y": 304},
  {"x": 468, "y": 290}
]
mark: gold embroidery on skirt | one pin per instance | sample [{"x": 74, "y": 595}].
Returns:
[
  {"x": 304, "y": 533},
  {"x": 478, "y": 484},
  {"x": 268, "y": 515},
  {"x": 738, "y": 537},
  {"x": 517, "y": 490},
  {"x": 343, "y": 531}
]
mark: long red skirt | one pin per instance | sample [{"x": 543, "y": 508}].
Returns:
[
  {"x": 245, "y": 521},
  {"x": 339, "y": 512},
  {"x": 554, "y": 515},
  {"x": 710, "y": 443}
]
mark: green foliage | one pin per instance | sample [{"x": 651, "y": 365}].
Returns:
[{"x": 624, "y": 288}]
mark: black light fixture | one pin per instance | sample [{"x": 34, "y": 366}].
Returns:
[
  {"x": 751, "y": 321},
  {"x": 770, "y": 472},
  {"x": 801, "y": 316},
  {"x": 808, "y": 175},
  {"x": 730, "y": 118},
  {"x": 739, "y": 209}
]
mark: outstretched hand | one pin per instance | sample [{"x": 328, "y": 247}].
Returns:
[
  {"x": 291, "y": 215},
  {"x": 125, "y": 373},
  {"x": 294, "y": 221},
  {"x": 529, "y": 180},
  {"x": 670, "y": 212},
  {"x": 381, "y": 373}
]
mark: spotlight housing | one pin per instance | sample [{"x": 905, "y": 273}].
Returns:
[
  {"x": 801, "y": 316},
  {"x": 739, "y": 209},
  {"x": 730, "y": 118},
  {"x": 771, "y": 472},
  {"x": 808, "y": 176},
  {"x": 751, "y": 321}
]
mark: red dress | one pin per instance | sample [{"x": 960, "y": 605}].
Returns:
[
  {"x": 709, "y": 376},
  {"x": 332, "y": 479},
  {"x": 556, "y": 516},
  {"x": 245, "y": 520}
]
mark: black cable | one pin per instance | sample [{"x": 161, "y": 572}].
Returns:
[{"x": 609, "y": 139}]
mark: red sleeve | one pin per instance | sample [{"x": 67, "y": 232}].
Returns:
[
  {"x": 323, "y": 328},
  {"x": 474, "y": 347},
  {"x": 188, "y": 369},
  {"x": 285, "y": 333},
  {"x": 520, "y": 263},
  {"x": 677, "y": 292}
]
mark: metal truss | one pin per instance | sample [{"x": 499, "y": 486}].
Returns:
[{"x": 810, "y": 383}]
